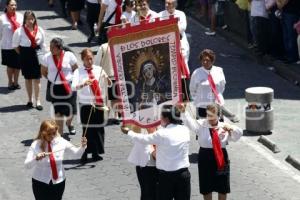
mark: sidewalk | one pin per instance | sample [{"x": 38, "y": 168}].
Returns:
[{"x": 290, "y": 72}]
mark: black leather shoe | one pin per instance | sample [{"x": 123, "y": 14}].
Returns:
[
  {"x": 96, "y": 157},
  {"x": 29, "y": 105},
  {"x": 39, "y": 107},
  {"x": 72, "y": 130}
]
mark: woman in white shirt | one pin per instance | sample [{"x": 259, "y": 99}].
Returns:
[
  {"x": 58, "y": 66},
  {"x": 144, "y": 13},
  {"x": 110, "y": 14},
  {"x": 172, "y": 155},
  {"x": 27, "y": 40},
  {"x": 91, "y": 82},
  {"x": 45, "y": 156},
  {"x": 128, "y": 14},
  {"x": 207, "y": 86},
  {"x": 213, "y": 161},
  {"x": 9, "y": 22}
]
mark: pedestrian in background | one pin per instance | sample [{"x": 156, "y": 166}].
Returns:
[
  {"x": 91, "y": 82},
  {"x": 75, "y": 7},
  {"x": 9, "y": 22},
  {"x": 212, "y": 17},
  {"x": 128, "y": 13},
  {"x": 27, "y": 41},
  {"x": 45, "y": 156},
  {"x": 58, "y": 66},
  {"x": 213, "y": 160},
  {"x": 92, "y": 15}
]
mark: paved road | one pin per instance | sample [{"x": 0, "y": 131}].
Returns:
[{"x": 256, "y": 173}]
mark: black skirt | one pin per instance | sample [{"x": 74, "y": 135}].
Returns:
[
  {"x": 63, "y": 103},
  {"x": 10, "y": 58},
  {"x": 92, "y": 120},
  {"x": 31, "y": 68},
  {"x": 210, "y": 179},
  {"x": 75, "y": 5}
]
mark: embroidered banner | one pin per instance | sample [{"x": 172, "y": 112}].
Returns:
[{"x": 145, "y": 59}]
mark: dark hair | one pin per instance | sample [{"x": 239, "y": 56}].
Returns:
[
  {"x": 127, "y": 3},
  {"x": 59, "y": 43},
  {"x": 209, "y": 53},
  {"x": 27, "y": 14},
  {"x": 7, "y": 3},
  {"x": 171, "y": 113},
  {"x": 84, "y": 52}
]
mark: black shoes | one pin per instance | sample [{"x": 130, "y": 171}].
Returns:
[
  {"x": 84, "y": 159},
  {"x": 96, "y": 157},
  {"x": 90, "y": 38},
  {"x": 39, "y": 107},
  {"x": 29, "y": 105}
]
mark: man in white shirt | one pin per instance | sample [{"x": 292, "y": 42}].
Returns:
[{"x": 172, "y": 150}]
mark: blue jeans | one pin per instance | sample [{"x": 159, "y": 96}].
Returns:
[{"x": 290, "y": 36}]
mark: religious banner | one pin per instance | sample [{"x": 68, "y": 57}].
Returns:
[{"x": 145, "y": 59}]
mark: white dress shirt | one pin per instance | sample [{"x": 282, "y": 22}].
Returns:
[
  {"x": 151, "y": 13},
  {"x": 85, "y": 95},
  {"x": 201, "y": 128},
  {"x": 20, "y": 38},
  {"x": 129, "y": 17},
  {"x": 140, "y": 154},
  {"x": 182, "y": 24},
  {"x": 103, "y": 59},
  {"x": 200, "y": 89},
  {"x": 111, "y": 7},
  {"x": 6, "y": 31},
  {"x": 258, "y": 8},
  {"x": 172, "y": 146},
  {"x": 42, "y": 169},
  {"x": 68, "y": 61}
]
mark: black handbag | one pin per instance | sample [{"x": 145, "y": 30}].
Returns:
[{"x": 102, "y": 35}]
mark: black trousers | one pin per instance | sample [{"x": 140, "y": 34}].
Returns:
[
  {"x": 262, "y": 34},
  {"x": 147, "y": 177},
  {"x": 92, "y": 15},
  {"x": 63, "y": 4},
  {"x": 43, "y": 191},
  {"x": 174, "y": 185}
]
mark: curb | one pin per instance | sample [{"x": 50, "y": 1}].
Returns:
[
  {"x": 269, "y": 144},
  {"x": 293, "y": 161}
]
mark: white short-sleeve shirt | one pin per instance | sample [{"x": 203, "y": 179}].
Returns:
[
  {"x": 20, "y": 38},
  {"x": 68, "y": 61},
  {"x": 6, "y": 31},
  {"x": 111, "y": 6},
  {"x": 128, "y": 16}
]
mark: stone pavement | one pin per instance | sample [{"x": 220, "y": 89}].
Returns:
[{"x": 256, "y": 173}]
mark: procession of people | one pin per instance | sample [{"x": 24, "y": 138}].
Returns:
[{"x": 161, "y": 153}]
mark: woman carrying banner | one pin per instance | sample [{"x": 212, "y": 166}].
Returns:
[
  {"x": 58, "y": 66},
  {"x": 46, "y": 155},
  {"x": 27, "y": 40},
  {"x": 208, "y": 84},
  {"x": 172, "y": 155},
  {"x": 213, "y": 161},
  {"x": 91, "y": 82},
  {"x": 110, "y": 14},
  {"x": 9, "y": 22},
  {"x": 184, "y": 44}
]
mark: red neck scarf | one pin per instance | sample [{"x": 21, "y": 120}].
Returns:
[
  {"x": 213, "y": 88},
  {"x": 58, "y": 64},
  {"x": 52, "y": 163},
  {"x": 217, "y": 148},
  {"x": 31, "y": 35},
  {"x": 12, "y": 17},
  {"x": 118, "y": 12},
  {"x": 95, "y": 87},
  {"x": 147, "y": 18}
]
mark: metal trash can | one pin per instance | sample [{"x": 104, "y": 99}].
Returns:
[{"x": 259, "y": 112}]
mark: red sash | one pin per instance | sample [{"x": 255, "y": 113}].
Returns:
[
  {"x": 31, "y": 36},
  {"x": 95, "y": 87},
  {"x": 58, "y": 64},
  {"x": 12, "y": 18},
  {"x": 184, "y": 68},
  {"x": 217, "y": 148},
  {"x": 147, "y": 18},
  {"x": 118, "y": 12},
  {"x": 52, "y": 163},
  {"x": 213, "y": 88}
]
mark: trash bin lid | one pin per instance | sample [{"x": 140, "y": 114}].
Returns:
[{"x": 259, "y": 94}]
